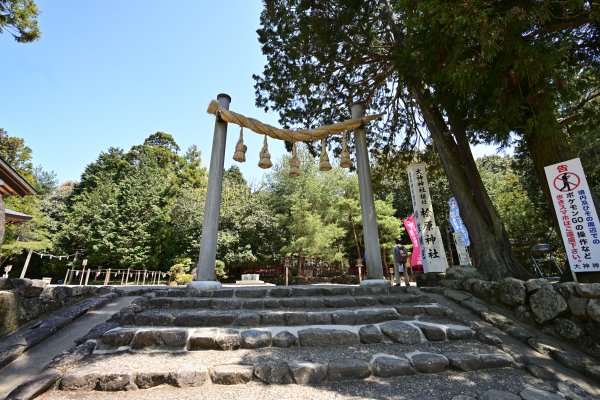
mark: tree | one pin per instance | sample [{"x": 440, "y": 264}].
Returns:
[
  {"x": 140, "y": 230},
  {"x": 249, "y": 233},
  {"x": 338, "y": 52},
  {"x": 138, "y": 209},
  {"x": 29, "y": 235},
  {"x": 185, "y": 212},
  {"x": 17, "y": 154},
  {"x": 319, "y": 212},
  {"x": 19, "y": 18},
  {"x": 527, "y": 70},
  {"x": 32, "y": 234},
  {"x": 304, "y": 207},
  {"x": 524, "y": 220}
]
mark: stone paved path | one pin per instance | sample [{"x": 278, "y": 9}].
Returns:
[
  {"x": 33, "y": 361},
  {"x": 310, "y": 342}
]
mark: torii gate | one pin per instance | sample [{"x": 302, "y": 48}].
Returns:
[{"x": 205, "y": 271}]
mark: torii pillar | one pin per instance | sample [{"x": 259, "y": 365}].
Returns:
[
  {"x": 205, "y": 268},
  {"x": 367, "y": 205}
]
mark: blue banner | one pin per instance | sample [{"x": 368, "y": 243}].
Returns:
[{"x": 456, "y": 221}]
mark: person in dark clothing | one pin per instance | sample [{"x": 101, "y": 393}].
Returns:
[{"x": 400, "y": 257}]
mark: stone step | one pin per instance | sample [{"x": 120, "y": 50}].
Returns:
[
  {"x": 269, "y": 303},
  {"x": 396, "y": 343},
  {"x": 116, "y": 372},
  {"x": 233, "y": 318},
  {"x": 193, "y": 339},
  {"x": 289, "y": 291}
]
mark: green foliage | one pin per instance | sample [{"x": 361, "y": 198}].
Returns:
[
  {"x": 588, "y": 144},
  {"x": 524, "y": 220},
  {"x": 35, "y": 233},
  {"x": 305, "y": 209},
  {"x": 140, "y": 209},
  {"x": 319, "y": 213},
  {"x": 390, "y": 182},
  {"x": 16, "y": 154},
  {"x": 179, "y": 273},
  {"x": 143, "y": 209},
  {"x": 249, "y": 233},
  {"x": 472, "y": 71},
  {"x": 220, "y": 272},
  {"x": 19, "y": 18}
]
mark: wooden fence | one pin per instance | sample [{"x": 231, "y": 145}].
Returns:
[{"x": 121, "y": 276}]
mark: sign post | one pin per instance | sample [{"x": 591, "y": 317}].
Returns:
[
  {"x": 287, "y": 270},
  {"x": 83, "y": 264},
  {"x": 461, "y": 249},
  {"x": 430, "y": 239},
  {"x": 26, "y": 263},
  {"x": 576, "y": 214}
]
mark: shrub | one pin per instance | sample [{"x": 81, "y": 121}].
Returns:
[
  {"x": 184, "y": 279},
  {"x": 220, "y": 270},
  {"x": 179, "y": 274}
]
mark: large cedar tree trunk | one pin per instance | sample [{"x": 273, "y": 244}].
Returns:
[
  {"x": 490, "y": 247},
  {"x": 491, "y": 250}
]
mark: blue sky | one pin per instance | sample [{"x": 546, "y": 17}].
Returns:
[{"x": 110, "y": 73}]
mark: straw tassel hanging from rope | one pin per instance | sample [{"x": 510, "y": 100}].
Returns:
[
  {"x": 240, "y": 148},
  {"x": 294, "y": 162},
  {"x": 345, "y": 156},
  {"x": 265, "y": 156},
  {"x": 324, "y": 164}
]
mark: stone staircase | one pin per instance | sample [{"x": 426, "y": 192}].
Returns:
[{"x": 306, "y": 335}]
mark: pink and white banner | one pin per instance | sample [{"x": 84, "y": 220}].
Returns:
[{"x": 411, "y": 229}]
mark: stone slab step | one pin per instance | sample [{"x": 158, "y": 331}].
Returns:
[
  {"x": 267, "y": 303},
  {"x": 233, "y": 318},
  {"x": 185, "y": 370},
  {"x": 193, "y": 339},
  {"x": 290, "y": 291}
]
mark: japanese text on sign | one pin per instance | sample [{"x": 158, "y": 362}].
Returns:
[
  {"x": 577, "y": 216},
  {"x": 429, "y": 238}
]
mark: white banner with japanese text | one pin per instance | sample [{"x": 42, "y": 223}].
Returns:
[
  {"x": 576, "y": 214},
  {"x": 461, "y": 249},
  {"x": 432, "y": 249}
]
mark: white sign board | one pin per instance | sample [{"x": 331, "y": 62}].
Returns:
[
  {"x": 576, "y": 214},
  {"x": 461, "y": 249},
  {"x": 432, "y": 249}
]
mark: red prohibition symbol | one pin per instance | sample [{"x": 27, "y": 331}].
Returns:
[{"x": 566, "y": 182}]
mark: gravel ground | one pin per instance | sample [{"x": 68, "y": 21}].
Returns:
[{"x": 442, "y": 386}]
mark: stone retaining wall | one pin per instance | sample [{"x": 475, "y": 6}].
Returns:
[
  {"x": 23, "y": 300},
  {"x": 568, "y": 310}
]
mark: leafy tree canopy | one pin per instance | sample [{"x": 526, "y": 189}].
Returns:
[
  {"x": 138, "y": 209},
  {"x": 19, "y": 19}
]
